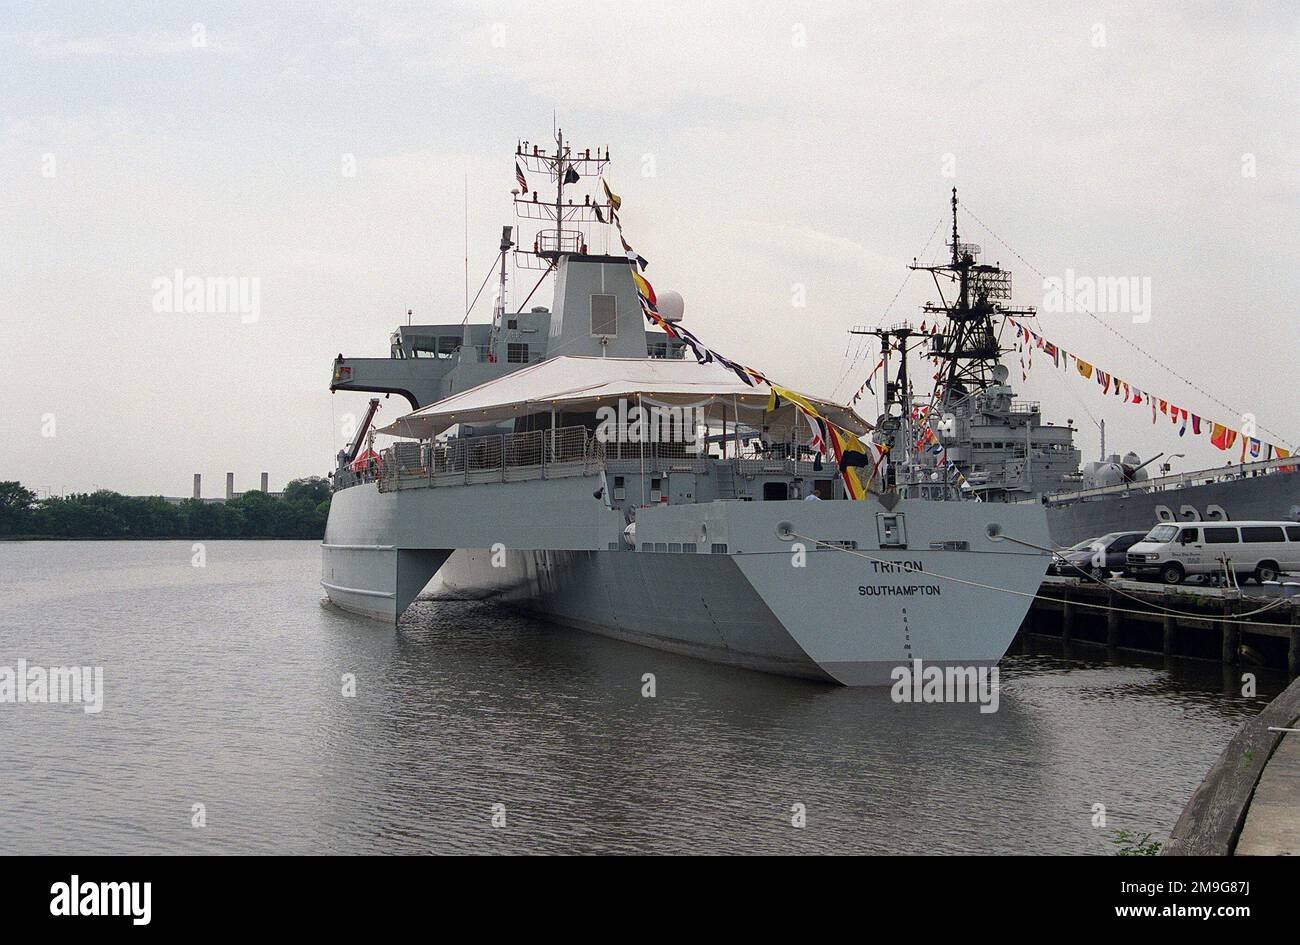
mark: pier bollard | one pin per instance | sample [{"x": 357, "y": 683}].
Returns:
[
  {"x": 1067, "y": 617},
  {"x": 1167, "y": 622},
  {"x": 1112, "y": 621},
  {"x": 1231, "y": 634},
  {"x": 1293, "y": 651}
]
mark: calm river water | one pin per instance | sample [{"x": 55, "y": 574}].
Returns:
[{"x": 223, "y": 688}]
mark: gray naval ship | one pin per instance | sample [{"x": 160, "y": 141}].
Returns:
[
  {"x": 1006, "y": 451},
  {"x": 524, "y": 472}
]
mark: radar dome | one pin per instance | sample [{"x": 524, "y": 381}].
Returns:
[{"x": 671, "y": 305}]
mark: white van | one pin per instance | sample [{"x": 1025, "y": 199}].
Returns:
[{"x": 1260, "y": 550}]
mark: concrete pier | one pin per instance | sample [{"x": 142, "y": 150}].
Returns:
[
  {"x": 1249, "y": 803},
  {"x": 1272, "y": 826}
]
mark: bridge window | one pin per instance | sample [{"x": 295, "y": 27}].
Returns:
[
  {"x": 444, "y": 346},
  {"x": 516, "y": 353}
]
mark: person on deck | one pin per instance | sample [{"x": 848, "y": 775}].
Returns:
[{"x": 814, "y": 496}]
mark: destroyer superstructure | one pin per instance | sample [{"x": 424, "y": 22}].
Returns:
[{"x": 1001, "y": 449}]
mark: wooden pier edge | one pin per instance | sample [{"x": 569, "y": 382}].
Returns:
[
  {"x": 1191, "y": 623},
  {"x": 1211, "y": 822}
]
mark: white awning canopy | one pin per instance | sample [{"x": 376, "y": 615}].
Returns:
[{"x": 580, "y": 384}]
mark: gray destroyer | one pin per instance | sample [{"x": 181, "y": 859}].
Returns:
[
  {"x": 1004, "y": 449},
  {"x": 525, "y": 472}
]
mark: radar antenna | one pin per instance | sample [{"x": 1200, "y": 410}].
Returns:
[
  {"x": 561, "y": 230},
  {"x": 968, "y": 343}
]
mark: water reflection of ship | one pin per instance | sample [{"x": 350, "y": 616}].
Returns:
[{"x": 1003, "y": 450}]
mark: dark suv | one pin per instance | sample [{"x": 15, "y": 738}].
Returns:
[{"x": 1097, "y": 557}]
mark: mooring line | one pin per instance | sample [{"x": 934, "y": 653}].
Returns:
[{"x": 1123, "y": 593}]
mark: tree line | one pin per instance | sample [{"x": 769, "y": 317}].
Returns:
[{"x": 299, "y": 513}]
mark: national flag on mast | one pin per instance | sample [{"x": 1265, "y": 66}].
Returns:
[{"x": 519, "y": 177}]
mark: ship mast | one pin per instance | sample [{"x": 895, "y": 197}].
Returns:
[
  {"x": 896, "y": 425},
  {"x": 561, "y": 231},
  {"x": 969, "y": 342}
]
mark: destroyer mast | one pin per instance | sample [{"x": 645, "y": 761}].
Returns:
[
  {"x": 971, "y": 430},
  {"x": 969, "y": 346}
]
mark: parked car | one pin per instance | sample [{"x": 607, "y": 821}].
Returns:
[
  {"x": 1096, "y": 557},
  {"x": 1261, "y": 550}
]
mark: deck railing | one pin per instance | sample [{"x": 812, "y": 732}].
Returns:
[
  {"x": 508, "y": 457},
  {"x": 567, "y": 451}
]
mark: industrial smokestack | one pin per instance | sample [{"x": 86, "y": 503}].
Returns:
[
  {"x": 198, "y": 486},
  {"x": 266, "y": 483},
  {"x": 230, "y": 485}
]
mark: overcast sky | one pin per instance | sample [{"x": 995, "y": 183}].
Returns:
[{"x": 762, "y": 151}]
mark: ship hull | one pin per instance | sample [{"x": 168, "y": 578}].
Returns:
[
  {"x": 721, "y": 581},
  {"x": 743, "y": 611},
  {"x": 1274, "y": 497}
]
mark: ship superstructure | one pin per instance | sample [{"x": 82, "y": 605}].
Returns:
[{"x": 600, "y": 480}]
